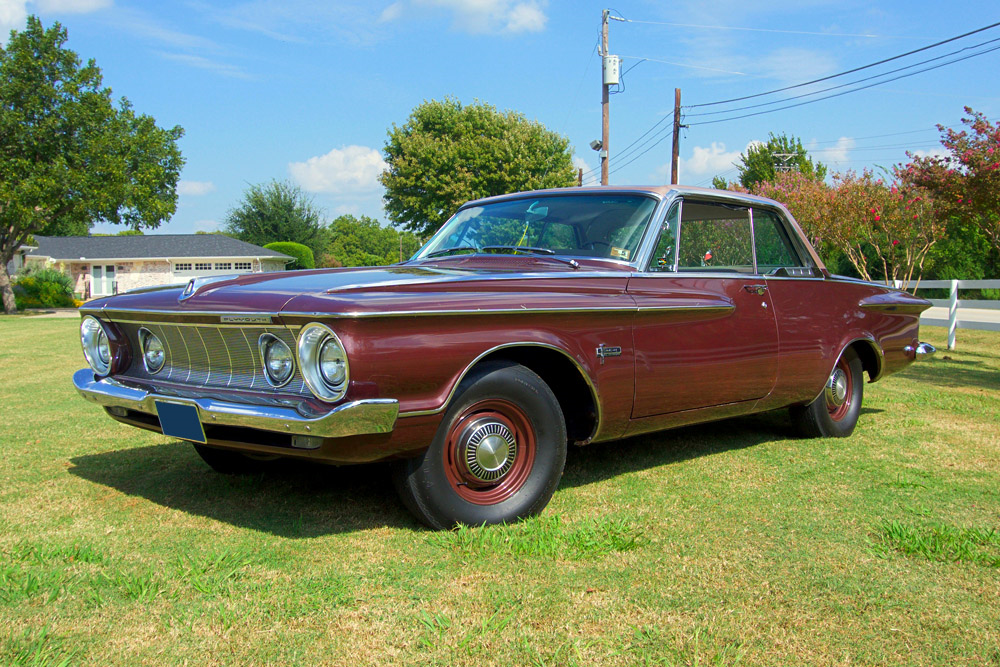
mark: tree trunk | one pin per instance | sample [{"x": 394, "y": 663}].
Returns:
[{"x": 9, "y": 305}]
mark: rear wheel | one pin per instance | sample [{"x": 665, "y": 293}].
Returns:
[
  {"x": 497, "y": 456},
  {"x": 835, "y": 412},
  {"x": 230, "y": 462}
]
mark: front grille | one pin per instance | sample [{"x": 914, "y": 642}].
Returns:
[{"x": 224, "y": 357}]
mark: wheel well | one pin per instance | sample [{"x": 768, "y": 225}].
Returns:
[
  {"x": 870, "y": 356},
  {"x": 565, "y": 380}
]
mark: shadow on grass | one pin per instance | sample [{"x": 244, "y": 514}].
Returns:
[
  {"x": 292, "y": 499},
  {"x": 301, "y": 499}
]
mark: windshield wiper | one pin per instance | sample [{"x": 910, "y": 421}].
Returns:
[
  {"x": 521, "y": 248},
  {"x": 534, "y": 251},
  {"x": 458, "y": 248}
]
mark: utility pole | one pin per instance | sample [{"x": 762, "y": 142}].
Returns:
[
  {"x": 605, "y": 99},
  {"x": 676, "y": 151}
]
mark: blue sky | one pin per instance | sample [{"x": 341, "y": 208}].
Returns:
[{"x": 306, "y": 90}]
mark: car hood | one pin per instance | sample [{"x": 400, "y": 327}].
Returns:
[{"x": 323, "y": 290}]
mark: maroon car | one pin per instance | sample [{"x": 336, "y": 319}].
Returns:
[{"x": 528, "y": 322}]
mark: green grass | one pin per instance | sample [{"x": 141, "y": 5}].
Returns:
[{"x": 726, "y": 543}]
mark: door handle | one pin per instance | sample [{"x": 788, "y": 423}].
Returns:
[{"x": 756, "y": 289}]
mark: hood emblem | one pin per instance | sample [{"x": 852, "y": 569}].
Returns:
[
  {"x": 245, "y": 319},
  {"x": 196, "y": 284}
]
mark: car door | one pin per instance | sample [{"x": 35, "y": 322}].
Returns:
[{"x": 705, "y": 333}]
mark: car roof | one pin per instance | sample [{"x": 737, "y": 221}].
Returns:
[{"x": 660, "y": 191}]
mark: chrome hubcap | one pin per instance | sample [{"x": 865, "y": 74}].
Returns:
[
  {"x": 489, "y": 450},
  {"x": 836, "y": 388}
]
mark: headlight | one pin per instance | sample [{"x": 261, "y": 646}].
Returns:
[
  {"x": 96, "y": 347},
  {"x": 153, "y": 354},
  {"x": 277, "y": 360},
  {"x": 323, "y": 362}
]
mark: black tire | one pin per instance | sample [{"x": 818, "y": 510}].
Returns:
[
  {"x": 825, "y": 417},
  {"x": 504, "y": 421},
  {"x": 229, "y": 462}
]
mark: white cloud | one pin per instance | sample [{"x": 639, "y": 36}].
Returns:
[
  {"x": 391, "y": 13},
  {"x": 707, "y": 161},
  {"x": 13, "y": 15},
  {"x": 592, "y": 178},
  {"x": 485, "y": 16},
  {"x": 342, "y": 170},
  {"x": 201, "y": 62},
  {"x": 934, "y": 152},
  {"x": 72, "y": 6},
  {"x": 835, "y": 154},
  {"x": 195, "y": 188}
]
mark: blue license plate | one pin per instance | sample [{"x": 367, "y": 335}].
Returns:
[{"x": 180, "y": 420}]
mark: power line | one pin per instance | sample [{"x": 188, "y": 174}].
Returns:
[
  {"x": 850, "y": 71},
  {"x": 843, "y": 85},
  {"x": 639, "y": 155},
  {"x": 853, "y": 90}
]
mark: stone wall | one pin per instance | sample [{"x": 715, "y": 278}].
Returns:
[{"x": 132, "y": 275}]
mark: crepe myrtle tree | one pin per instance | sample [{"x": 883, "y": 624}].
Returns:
[
  {"x": 965, "y": 181},
  {"x": 446, "y": 154},
  {"x": 69, "y": 155},
  {"x": 885, "y": 228}
]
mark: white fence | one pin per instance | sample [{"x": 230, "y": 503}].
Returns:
[{"x": 961, "y": 313}]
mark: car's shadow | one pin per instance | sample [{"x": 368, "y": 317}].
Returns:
[{"x": 300, "y": 499}]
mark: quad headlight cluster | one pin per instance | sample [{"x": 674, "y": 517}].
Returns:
[
  {"x": 323, "y": 362},
  {"x": 319, "y": 353},
  {"x": 96, "y": 346}
]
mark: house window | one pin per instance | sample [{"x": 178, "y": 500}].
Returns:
[
  {"x": 243, "y": 266},
  {"x": 182, "y": 267},
  {"x": 203, "y": 266},
  {"x": 223, "y": 266}
]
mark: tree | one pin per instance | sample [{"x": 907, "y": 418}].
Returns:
[
  {"x": 446, "y": 154},
  {"x": 276, "y": 211},
  {"x": 761, "y": 161},
  {"x": 364, "y": 242},
  {"x": 69, "y": 156},
  {"x": 885, "y": 229},
  {"x": 966, "y": 182}
]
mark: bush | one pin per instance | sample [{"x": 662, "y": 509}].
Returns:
[
  {"x": 43, "y": 288},
  {"x": 303, "y": 254}
]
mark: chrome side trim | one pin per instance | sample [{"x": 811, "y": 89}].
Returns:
[
  {"x": 377, "y": 415},
  {"x": 687, "y": 309},
  {"x": 412, "y": 313},
  {"x": 590, "y": 383}
]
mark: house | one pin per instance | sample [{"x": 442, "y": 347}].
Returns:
[{"x": 104, "y": 265}]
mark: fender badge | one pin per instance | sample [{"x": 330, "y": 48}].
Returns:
[{"x": 603, "y": 351}]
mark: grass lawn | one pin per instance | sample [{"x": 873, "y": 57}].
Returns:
[{"x": 727, "y": 543}]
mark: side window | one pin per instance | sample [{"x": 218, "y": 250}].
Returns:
[
  {"x": 663, "y": 254},
  {"x": 774, "y": 248},
  {"x": 715, "y": 237}
]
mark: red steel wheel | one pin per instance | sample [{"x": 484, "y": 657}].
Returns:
[
  {"x": 498, "y": 454},
  {"x": 489, "y": 452},
  {"x": 839, "y": 390},
  {"x": 834, "y": 413}
]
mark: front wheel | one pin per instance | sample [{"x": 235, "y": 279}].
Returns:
[
  {"x": 835, "y": 412},
  {"x": 497, "y": 456}
]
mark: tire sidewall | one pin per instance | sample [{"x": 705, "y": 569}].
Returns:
[{"x": 429, "y": 486}]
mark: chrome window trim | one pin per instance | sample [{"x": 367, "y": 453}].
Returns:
[{"x": 451, "y": 394}]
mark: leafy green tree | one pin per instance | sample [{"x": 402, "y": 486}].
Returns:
[
  {"x": 276, "y": 211},
  {"x": 69, "y": 156},
  {"x": 364, "y": 242},
  {"x": 446, "y": 154},
  {"x": 761, "y": 161},
  {"x": 303, "y": 255}
]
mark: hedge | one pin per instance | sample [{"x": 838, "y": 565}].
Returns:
[{"x": 303, "y": 254}]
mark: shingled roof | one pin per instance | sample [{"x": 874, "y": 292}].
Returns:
[{"x": 147, "y": 246}]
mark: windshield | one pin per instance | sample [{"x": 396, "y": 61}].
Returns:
[{"x": 577, "y": 225}]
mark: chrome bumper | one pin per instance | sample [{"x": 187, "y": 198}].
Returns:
[
  {"x": 921, "y": 352},
  {"x": 377, "y": 415}
]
